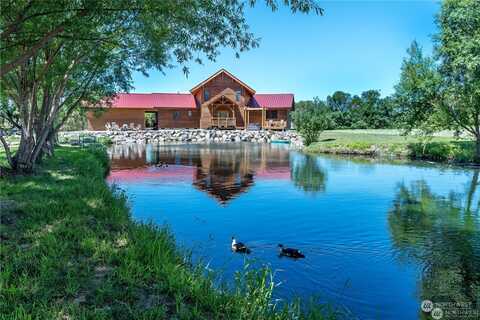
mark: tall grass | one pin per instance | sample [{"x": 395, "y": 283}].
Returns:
[{"x": 71, "y": 251}]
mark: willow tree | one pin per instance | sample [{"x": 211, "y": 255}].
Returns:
[
  {"x": 458, "y": 51},
  {"x": 57, "y": 54},
  {"x": 443, "y": 91}
]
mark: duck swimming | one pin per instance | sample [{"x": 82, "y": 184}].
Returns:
[
  {"x": 239, "y": 247},
  {"x": 290, "y": 252},
  {"x": 161, "y": 165}
]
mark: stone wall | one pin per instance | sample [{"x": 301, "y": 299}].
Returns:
[{"x": 192, "y": 136}]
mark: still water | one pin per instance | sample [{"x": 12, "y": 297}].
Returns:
[{"x": 379, "y": 237}]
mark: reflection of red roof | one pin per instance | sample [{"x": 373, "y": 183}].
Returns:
[
  {"x": 176, "y": 173},
  {"x": 272, "y": 100},
  {"x": 282, "y": 173},
  {"x": 154, "y": 100},
  {"x": 169, "y": 173}
]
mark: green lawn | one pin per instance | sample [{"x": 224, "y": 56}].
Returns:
[
  {"x": 373, "y": 136},
  {"x": 70, "y": 250},
  {"x": 390, "y": 143}
]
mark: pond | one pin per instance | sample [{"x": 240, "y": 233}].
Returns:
[{"x": 379, "y": 237}]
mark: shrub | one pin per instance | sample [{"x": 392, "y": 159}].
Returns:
[
  {"x": 454, "y": 151},
  {"x": 310, "y": 119}
]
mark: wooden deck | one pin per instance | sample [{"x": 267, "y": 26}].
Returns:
[
  {"x": 223, "y": 123},
  {"x": 275, "y": 124},
  {"x": 231, "y": 123}
]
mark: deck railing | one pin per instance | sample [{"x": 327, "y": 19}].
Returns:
[
  {"x": 221, "y": 122},
  {"x": 275, "y": 124}
]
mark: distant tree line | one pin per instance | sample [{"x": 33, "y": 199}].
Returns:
[{"x": 365, "y": 111}]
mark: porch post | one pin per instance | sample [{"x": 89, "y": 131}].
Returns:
[
  {"x": 263, "y": 118},
  {"x": 244, "y": 118}
]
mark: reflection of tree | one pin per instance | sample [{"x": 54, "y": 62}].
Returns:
[
  {"x": 443, "y": 236},
  {"x": 308, "y": 175}
]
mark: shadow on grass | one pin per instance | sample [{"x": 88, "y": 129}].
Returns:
[{"x": 327, "y": 140}]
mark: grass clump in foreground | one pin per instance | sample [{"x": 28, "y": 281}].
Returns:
[
  {"x": 390, "y": 143},
  {"x": 69, "y": 250}
]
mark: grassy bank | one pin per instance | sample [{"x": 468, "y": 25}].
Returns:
[
  {"x": 389, "y": 143},
  {"x": 70, "y": 250}
]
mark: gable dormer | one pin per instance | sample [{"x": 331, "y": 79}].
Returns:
[{"x": 219, "y": 82}]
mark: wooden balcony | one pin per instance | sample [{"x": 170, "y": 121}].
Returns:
[
  {"x": 275, "y": 124},
  {"x": 223, "y": 123}
]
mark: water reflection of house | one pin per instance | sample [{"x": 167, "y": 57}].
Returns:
[
  {"x": 223, "y": 174},
  {"x": 223, "y": 171}
]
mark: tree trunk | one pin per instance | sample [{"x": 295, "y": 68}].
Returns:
[
  {"x": 477, "y": 150},
  {"x": 48, "y": 148},
  {"x": 22, "y": 161},
  {"x": 471, "y": 191}
]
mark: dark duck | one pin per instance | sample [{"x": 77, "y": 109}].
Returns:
[
  {"x": 239, "y": 247},
  {"x": 161, "y": 165},
  {"x": 290, "y": 252}
]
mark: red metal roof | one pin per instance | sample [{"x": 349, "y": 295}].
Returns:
[
  {"x": 187, "y": 100},
  {"x": 272, "y": 100},
  {"x": 154, "y": 100}
]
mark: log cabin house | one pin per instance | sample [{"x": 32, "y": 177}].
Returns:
[{"x": 222, "y": 101}]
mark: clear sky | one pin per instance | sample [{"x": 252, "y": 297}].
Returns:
[{"x": 355, "y": 46}]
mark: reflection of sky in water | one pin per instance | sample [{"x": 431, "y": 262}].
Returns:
[{"x": 336, "y": 210}]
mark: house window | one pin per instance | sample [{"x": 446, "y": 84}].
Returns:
[
  {"x": 206, "y": 95},
  {"x": 223, "y": 114},
  {"x": 238, "y": 93},
  {"x": 151, "y": 120},
  {"x": 189, "y": 113},
  {"x": 176, "y": 115},
  {"x": 272, "y": 114}
]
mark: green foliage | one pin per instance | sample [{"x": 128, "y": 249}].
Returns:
[
  {"x": 458, "y": 50},
  {"x": 308, "y": 175},
  {"x": 417, "y": 91},
  {"x": 368, "y": 110},
  {"x": 444, "y": 92},
  {"x": 76, "y": 121},
  {"x": 71, "y": 250},
  {"x": 310, "y": 119},
  {"x": 455, "y": 151},
  {"x": 105, "y": 140}
]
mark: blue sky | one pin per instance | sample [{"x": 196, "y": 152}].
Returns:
[{"x": 355, "y": 46}]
